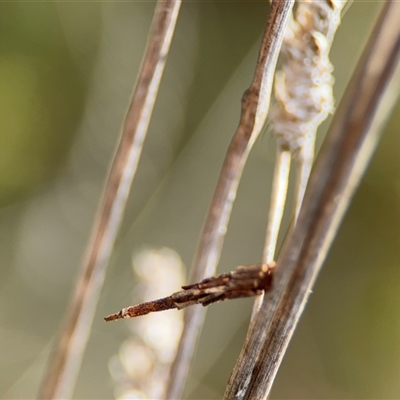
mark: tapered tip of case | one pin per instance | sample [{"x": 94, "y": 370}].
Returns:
[{"x": 113, "y": 317}]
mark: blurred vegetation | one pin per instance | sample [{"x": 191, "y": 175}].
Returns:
[
  {"x": 41, "y": 97},
  {"x": 66, "y": 74}
]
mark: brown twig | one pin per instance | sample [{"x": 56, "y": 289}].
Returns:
[
  {"x": 59, "y": 380},
  {"x": 255, "y": 106},
  {"x": 347, "y": 149},
  {"x": 244, "y": 281}
]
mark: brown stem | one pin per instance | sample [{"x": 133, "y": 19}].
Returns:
[
  {"x": 347, "y": 149},
  {"x": 60, "y": 377},
  {"x": 255, "y": 106}
]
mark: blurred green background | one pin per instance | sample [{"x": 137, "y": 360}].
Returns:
[{"x": 66, "y": 75}]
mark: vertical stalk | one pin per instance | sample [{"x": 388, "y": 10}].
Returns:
[
  {"x": 347, "y": 149},
  {"x": 60, "y": 377},
  {"x": 279, "y": 190},
  {"x": 255, "y": 106}
]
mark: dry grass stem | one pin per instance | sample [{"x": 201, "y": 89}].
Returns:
[
  {"x": 346, "y": 152},
  {"x": 304, "y": 162},
  {"x": 255, "y": 106},
  {"x": 308, "y": 64},
  {"x": 279, "y": 189},
  {"x": 304, "y": 99},
  {"x": 65, "y": 362}
]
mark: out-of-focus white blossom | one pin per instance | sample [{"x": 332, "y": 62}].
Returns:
[{"x": 142, "y": 365}]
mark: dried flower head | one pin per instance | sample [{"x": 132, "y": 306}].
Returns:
[{"x": 303, "y": 86}]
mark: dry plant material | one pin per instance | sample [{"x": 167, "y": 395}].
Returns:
[
  {"x": 303, "y": 86},
  {"x": 255, "y": 107},
  {"x": 304, "y": 99},
  {"x": 244, "y": 281},
  {"x": 60, "y": 377},
  {"x": 341, "y": 162}
]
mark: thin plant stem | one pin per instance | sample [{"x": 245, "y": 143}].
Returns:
[
  {"x": 60, "y": 377},
  {"x": 255, "y": 106},
  {"x": 279, "y": 190},
  {"x": 303, "y": 86},
  {"x": 304, "y": 162},
  {"x": 278, "y": 200},
  {"x": 344, "y": 157},
  {"x": 304, "y": 98}
]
